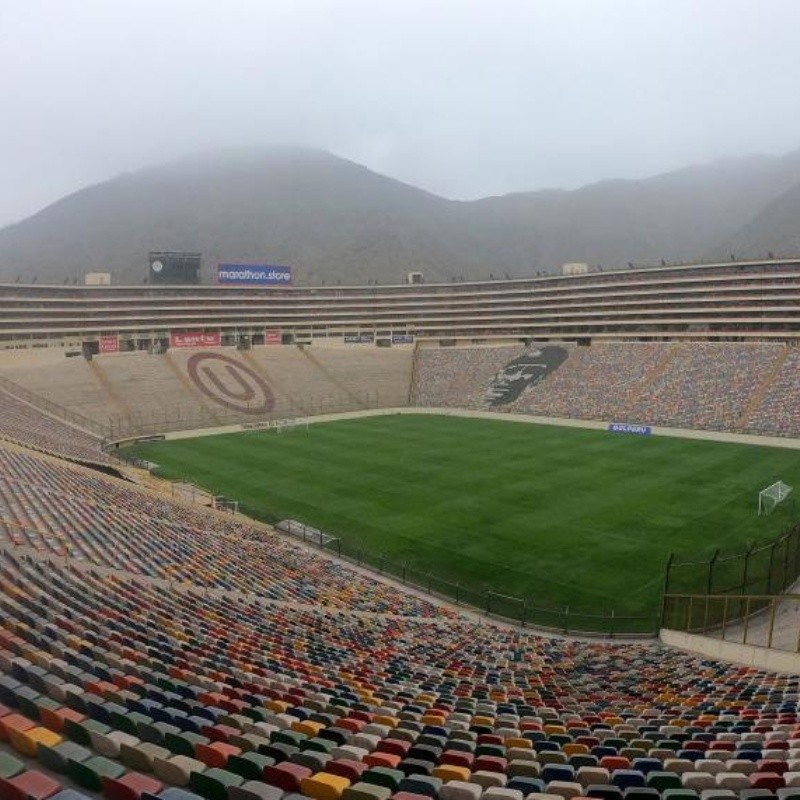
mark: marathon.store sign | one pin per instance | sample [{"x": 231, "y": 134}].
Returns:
[
  {"x": 253, "y": 275},
  {"x": 195, "y": 339}
]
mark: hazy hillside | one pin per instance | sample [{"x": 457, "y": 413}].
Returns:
[
  {"x": 334, "y": 220},
  {"x": 776, "y": 229}
]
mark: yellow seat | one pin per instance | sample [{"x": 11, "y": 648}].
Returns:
[
  {"x": 449, "y": 772},
  {"x": 517, "y": 741},
  {"x": 27, "y": 742},
  {"x": 308, "y": 727},
  {"x": 324, "y": 786}
]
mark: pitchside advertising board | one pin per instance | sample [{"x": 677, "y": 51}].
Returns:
[
  {"x": 625, "y": 427},
  {"x": 253, "y": 275}
]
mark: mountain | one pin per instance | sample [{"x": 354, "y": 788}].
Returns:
[
  {"x": 776, "y": 229},
  {"x": 335, "y": 220}
]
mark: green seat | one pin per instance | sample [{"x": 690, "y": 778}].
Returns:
[
  {"x": 662, "y": 781},
  {"x": 58, "y": 756},
  {"x": 213, "y": 784},
  {"x": 383, "y": 776},
  {"x": 256, "y": 714},
  {"x": 183, "y": 744},
  {"x": 10, "y": 766},
  {"x": 90, "y": 773},
  {"x": 79, "y": 731},
  {"x": 366, "y": 791},
  {"x": 490, "y": 750},
  {"x": 318, "y": 745},
  {"x": 617, "y": 742},
  {"x": 679, "y": 794},
  {"x": 129, "y": 721},
  {"x": 249, "y": 765},
  {"x": 293, "y": 738}
]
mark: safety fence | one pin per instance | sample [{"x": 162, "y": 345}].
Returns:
[
  {"x": 485, "y": 600},
  {"x": 759, "y": 620}
]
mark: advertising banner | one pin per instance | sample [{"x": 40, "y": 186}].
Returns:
[
  {"x": 109, "y": 344},
  {"x": 359, "y": 338},
  {"x": 272, "y": 336},
  {"x": 253, "y": 275},
  {"x": 194, "y": 339},
  {"x": 625, "y": 427}
]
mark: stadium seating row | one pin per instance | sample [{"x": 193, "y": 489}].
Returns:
[
  {"x": 748, "y": 387},
  {"x": 58, "y": 509},
  {"x": 127, "y": 688}
]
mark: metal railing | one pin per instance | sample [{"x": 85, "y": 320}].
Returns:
[
  {"x": 485, "y": 600},
  {"x": 51, "y": 408},
  {"x": 754, "y": 619},
  {"x": 765, "y": 568}
]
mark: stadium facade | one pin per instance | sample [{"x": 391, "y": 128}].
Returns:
[{"x": 723, "y": 301}]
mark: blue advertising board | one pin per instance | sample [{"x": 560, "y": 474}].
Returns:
[
  {"x": 626, "y": 427},
  {"x": 254, "y": 274}
]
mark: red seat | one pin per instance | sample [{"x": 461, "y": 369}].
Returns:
[
  {"x": 489, "y": 764},
  {"x": 379, "y": 759},
  {"x": 16, "y": 721},
  {"x": 397, "y": 747},
  {"x": 346, "y": 768},
  {"x": 772, "y": 765},
  {"x": 455, "y": 758},
  {"x": 614, "y": 762},
  {"x": 215, "y": 754},
  {"x": 286, "y": 776},
  {"x": 770, "y": 781},
  {"x": 130, "y": 786},
  {"x": 30, "y": 785}
]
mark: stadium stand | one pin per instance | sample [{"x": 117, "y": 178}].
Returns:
[
  {"x": 151, "y": 649},
  {"x": 458, "y": 377},
  {"x": 54, "y": 508},
  {"x": 123, "y": 684},
  {"x": 778, "y": 413},
  {"x": 140, "y": 392},
  {"x": 729, "y": 386}
]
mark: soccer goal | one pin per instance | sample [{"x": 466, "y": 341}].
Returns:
[
  {"x": 770, "y": 497},
  {"x": 288, "y": 424}
]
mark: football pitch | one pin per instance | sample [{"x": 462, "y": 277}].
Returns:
[{"x": 563, "y": 517}]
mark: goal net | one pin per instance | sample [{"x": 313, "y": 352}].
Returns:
[{"x": 770, "y": 497}]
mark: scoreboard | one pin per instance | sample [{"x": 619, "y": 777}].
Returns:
[{"x": 170, "y": 268}]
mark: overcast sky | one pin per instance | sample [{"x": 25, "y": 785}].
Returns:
[{"x": 461, "y": 97}]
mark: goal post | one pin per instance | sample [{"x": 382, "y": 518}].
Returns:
[{"x": 770, "y": 497}]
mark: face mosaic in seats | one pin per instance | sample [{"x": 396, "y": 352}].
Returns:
[{"x": 524, "y": 371}]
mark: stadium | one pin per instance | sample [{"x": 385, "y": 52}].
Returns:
[{"x": 503, "y": 540}]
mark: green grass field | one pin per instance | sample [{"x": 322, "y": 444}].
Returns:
[{"x": 560, "y": 516}]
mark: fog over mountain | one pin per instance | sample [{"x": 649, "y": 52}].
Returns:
[{"x": 334, "y": 220}]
